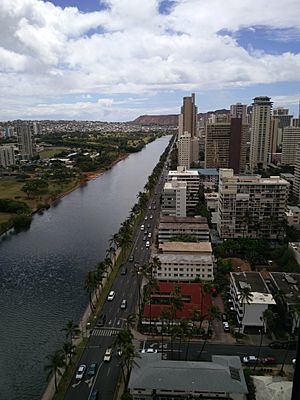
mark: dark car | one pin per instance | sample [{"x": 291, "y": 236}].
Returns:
[
  {"x": 94, "y": 395},
  {"x": 131, "y": 258},
  {"x": 268, "y": 360},
  {"x": 276, "y": 345},
  {"x": 92, "y": 370},
  {"x": 123, "y": 270},
  {"x": 101, "y": 320},
  {"x": 283, "y": 345}
]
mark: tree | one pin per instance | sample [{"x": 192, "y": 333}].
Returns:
[
  {"x": 213, "y": 314},
  {"x": 56, "y": 362},
  {"x": 71, "y": 330},
  {"x": 69, "y": 350},
  {"x": 90, "y": 285},
  {"x": 244, "y": 296}
]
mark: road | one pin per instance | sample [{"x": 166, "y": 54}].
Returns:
[{"x": 125, "y": 287}]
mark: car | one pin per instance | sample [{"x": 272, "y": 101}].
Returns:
[
  {"x": 149, "y": 208},
  {"x": 119, "y": 352},
  {"x": 149, "y": 350},
  {"x": 154, "y": 207},
  {"x": 107, "y": 355},
  {"x": 268, "y": 360},
  {"x": 294, "y": 361},
  {"x": 146, "y": 218},
  {"x": 148, "y": 226},
  {"x": 276, "y": 345},
  {"x": 131, "y": 258},
  {"x": 147, "y": 243},
  {"x": 149, "y": 235},
  {"x": 226, "y": 326},
  {"x": 151, "y": 216},
  {"x": 142, "y": 227},
  {"x": 144, "y": 238},
  {"x": 101, "y": 320},
  {"x": 123, "y": 304},
  {"x": 123, "y": 270},
  {"x": 80, "y": 372},
  {"x": 250, "y": 360},
  {"x": 111, "y": 295},
  {"x": 94, "y": 395},
  {"x": 92, "y": 369}
]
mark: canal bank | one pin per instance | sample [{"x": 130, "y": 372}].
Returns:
[{"x": 42, "y": 270}]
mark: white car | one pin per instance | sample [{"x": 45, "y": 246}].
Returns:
[
  {"x": 226, "y": 326},
  {"x": 142, "y": 227},
  {"x": 107, "y": 355},
  {"x": 80, "y": 372},
  {"x": 149, "y": 235},
  {"x": 147, "y": 243},
  {"x": 250, "y": 360},
  {"x": 149, "y": 350},
  {"x": 151, "y": 216},
  {"x": 111, "y": 295}
]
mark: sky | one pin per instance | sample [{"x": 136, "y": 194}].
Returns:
[{"x": 113, "y": 60}]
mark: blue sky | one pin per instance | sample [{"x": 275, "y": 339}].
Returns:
[{"x": 115, "y": 59}]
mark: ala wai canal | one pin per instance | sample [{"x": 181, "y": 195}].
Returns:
[{"x": 42, "y": 270}]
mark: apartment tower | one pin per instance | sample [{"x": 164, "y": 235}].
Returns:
[
  {"x": 25, "y": 141},
  {"x": 260, "y": 132}
]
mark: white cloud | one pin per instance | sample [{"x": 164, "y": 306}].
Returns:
[{"x": 47, "y": 52}]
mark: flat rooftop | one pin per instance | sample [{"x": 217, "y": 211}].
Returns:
[
  {"x": 182, "y": 225},
  {"x": 252, "y": 280},
  {"x": 189, "y": 220},
  {"x": 222, "y": 374},
  {"x": 186, "y": 247},
  {"x": 289, "y": 284},
  {"x": 183, "y": 173}
]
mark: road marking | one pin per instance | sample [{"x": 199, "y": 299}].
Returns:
[
  {"x": 119, "y": 321},
  {"x": 110, "y": 322},
  {"x": 105, "y": 332}
]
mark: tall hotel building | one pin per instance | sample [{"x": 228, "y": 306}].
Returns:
[
  {"x": 251, "y": 206},
  {"x": 188, "y": 143},
  {"x": 290, "y": 140},
  {"x": 260, "y": 133},
  {"x": 226, "y": 144},
  {"x": 239, "y": 110}
]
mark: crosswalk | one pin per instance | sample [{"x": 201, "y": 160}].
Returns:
[{"x": 105, "y": 332}]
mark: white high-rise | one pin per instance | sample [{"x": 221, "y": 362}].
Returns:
[
  {"x": 290, "y": 140},
  {"x": 184, "y": 150},
  {"x": 260, "y": 133}
]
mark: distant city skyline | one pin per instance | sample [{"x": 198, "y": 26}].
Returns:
[{"x": 113, "y": 60}]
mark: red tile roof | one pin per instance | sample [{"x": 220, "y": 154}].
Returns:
[{"x": 191, "y": 293}]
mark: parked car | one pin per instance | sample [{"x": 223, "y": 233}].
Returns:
[
  {"x": 123, "y": 304},
  {"x": 111, "y": 295},
  {"x": 92, "y": 370},
  {"x": 142, "y": 227},
  {"x": 283, "y": 345},
  {"x": 149, "y": 235},
  {"x": 80, "y": 372},
  {"x": 94, "y": 395},
  {"x": 268, "y": 360},
  {"x": 276, "y": 345},
  {"x": 147, "y": 243},
  {"x": 250, "y": 360},
  {"x": 108, "y": 354},
  {"x": 123, "y": 270},
  {"x": 149, "y": 350},
  {"x": 101, "y": 320},
  {"x": 226, "y": 326}
]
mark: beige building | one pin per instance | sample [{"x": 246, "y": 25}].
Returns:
[
  {"x": 174, "y": 226},
  {"x": 25, "y": 141},
  {"x": 191, "y": 177},
  {"x": 7, "y": 156},
  {"x": 239, "y": 110},
  {"x": 174, "y": 198},
  {"x": 296, "y": 187},
  {"x": 260, "y": 133},
  {"x": 251, "y": 206},
  {"x": 185, "y": 261},
  {"x": 290, "y": 140},
  {"x": 184, "y": 150}
]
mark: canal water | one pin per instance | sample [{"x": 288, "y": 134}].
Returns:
[{"x": 42, "y": 270}]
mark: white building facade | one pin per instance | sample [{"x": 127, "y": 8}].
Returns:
[{"x": 174, "y": 199}]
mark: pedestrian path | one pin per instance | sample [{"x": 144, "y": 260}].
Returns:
[{"x": 105, "y": 332}]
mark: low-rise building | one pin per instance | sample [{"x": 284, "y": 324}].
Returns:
[
  {"x": 209, "y": 178},
  {"x": 175, "y": 226},
  {"x": 185, "y": 261},
  {"x": 249, "y": 311},
  {"x": 152, "y": 377},
  {"x": 287, "y": 294}
]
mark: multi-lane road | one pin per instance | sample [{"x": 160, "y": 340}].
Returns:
[{"x": 125, "y": 287}]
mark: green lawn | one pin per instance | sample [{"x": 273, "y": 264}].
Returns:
[{"x": 51, "y": 151}]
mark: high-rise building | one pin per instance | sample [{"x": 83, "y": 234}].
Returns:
[
  {"x": 174, "y": 199},
  {"x": 260, "y": 132},
  {"x": 226, "y": 144},
  {"x": 296, "y": 186},
  {"x": 283, "y": 117},
  {"x": 188, "y": 120},
  {"x": 251, "y": 206},
  {"x": 7, "y": 156},
  {"x": 25, "y": 141},
  {"x": 290, "y": 140},
  {"x": 184, "y": 150},
  {"x": 239, "y": 110}
]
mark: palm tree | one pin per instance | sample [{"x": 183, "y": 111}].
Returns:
[
  {"x": 165, "y": 315},
  {"x": 69, "y": 350},
  {"x": 71, "y": 330},
  {"x": 56, "y": 362},
  {"x": 213, "y": 314},
  {"x": 90, "y": 285},
  {"x": 245, "y": 296}
]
